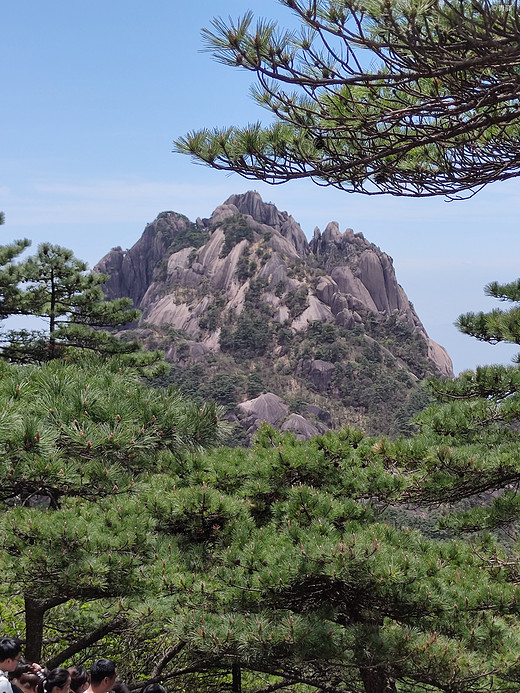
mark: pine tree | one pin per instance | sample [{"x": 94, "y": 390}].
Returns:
[
  {"x": 473, "y": 428},
  {"x": 497, "y": 325},
  {"x": 10, "y": 278},
  {"x": 405, "y": 98},
  {"x": 288, "y": 561},
  {"x": 57, "y": 288},
  {"x": 80, "y": 445},
  {"x": 292, "y": 568}
]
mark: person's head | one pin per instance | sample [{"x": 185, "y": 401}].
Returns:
[
  {"x": 56, "y": 681},
  {"x": 103, "y": 675},
  {"x": 79, "y": 681},
  {"x": 9, "y": 654},
  {"x": 19, "y": 669},
  {"x": 24, "y": 677},
  {"x": 154, "y": 688}
]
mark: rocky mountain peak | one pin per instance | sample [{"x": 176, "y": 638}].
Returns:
[
  {"x": 245, "y": 289},
  {"x": 252, "y": 204}
]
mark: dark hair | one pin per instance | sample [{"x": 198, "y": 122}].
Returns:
[
  {"x": 21, "y": 668},
  {"x": 154, "y": 688},
  {"x": 9, "y": 648},
  {"x": 78, "y": 677},
  {"x": 120, "y": 687},
  {"x": 25, "y": 675},
  {"x": 100, "y": 669},
  {"x": 56, "y": 678},
  {"x": 29, "y": 678}
]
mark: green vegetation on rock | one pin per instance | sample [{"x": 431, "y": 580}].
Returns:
[{"x": 235, "y": 229}]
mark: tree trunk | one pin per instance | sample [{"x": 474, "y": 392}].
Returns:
[
  {"x": 34, "y": 621},
  {"x": 375, "y": 680},
  {"x": 236, "y": 685},
  {"x": 34, "y": 613},
  {"x": 52, "y": 317}
]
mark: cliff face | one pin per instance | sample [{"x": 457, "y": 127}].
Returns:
[
  {"x": 131, "y": 272},
  {"x": 245, "y": 287}
]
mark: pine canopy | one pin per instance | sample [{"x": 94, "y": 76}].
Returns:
[
  {"x": 79, "y": 443},
  {"x": 407, "y": 97}
]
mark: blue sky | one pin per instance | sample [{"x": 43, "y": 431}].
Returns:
[{"x": 93, "y": 95}]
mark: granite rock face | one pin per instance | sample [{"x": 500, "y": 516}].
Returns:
[
  {"x": 197, "y": 279},
  {"x": 317, "y": 371},
  {"x": 131, "y": 273}
]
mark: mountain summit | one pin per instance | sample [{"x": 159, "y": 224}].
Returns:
[{"x": 310, "y": 334}]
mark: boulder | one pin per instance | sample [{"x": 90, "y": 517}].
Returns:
[
  {"x": 326, "y": 289},
  {"x": 187, "y": 352},
  {"x": 267, "y": 407},
  {"x": 315, "y": 311},
  {"x": 441, "y": 358},
  {"x": 376, "y": 273},
  {"x": 319, "y": 413},
  {"x": 316, "y": 371},
  {"x": 349, "y": 284},
  {"x": 302, "y": 429}
]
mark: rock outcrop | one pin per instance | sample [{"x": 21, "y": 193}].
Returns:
[
  {"x": 211, "y": 285},
  {"x": 131, "y": 272}
]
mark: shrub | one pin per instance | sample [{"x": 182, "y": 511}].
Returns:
[{"x": 235, "y": 229}]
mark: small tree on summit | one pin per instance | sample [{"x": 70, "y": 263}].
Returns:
[{"x": 57, "y": 287}]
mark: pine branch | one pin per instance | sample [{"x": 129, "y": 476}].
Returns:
[
  {"x": 116, "y": 624},
  {"x": 166, "y": 659},
  {"x": 435, "y": 113}
]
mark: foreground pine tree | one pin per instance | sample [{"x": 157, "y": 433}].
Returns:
[
  {"x": 282, "y": 561},
  {"x": 294, "y": 565},
  {"x": 475, "y": 426},
  {"x": 287, "y": 565},
  {"x": 79, "y": 445}
]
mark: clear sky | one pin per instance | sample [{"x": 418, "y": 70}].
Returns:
[{"x": 93, "y": 95}]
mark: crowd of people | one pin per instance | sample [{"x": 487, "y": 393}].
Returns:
[{"x": 18, "y": 676}]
